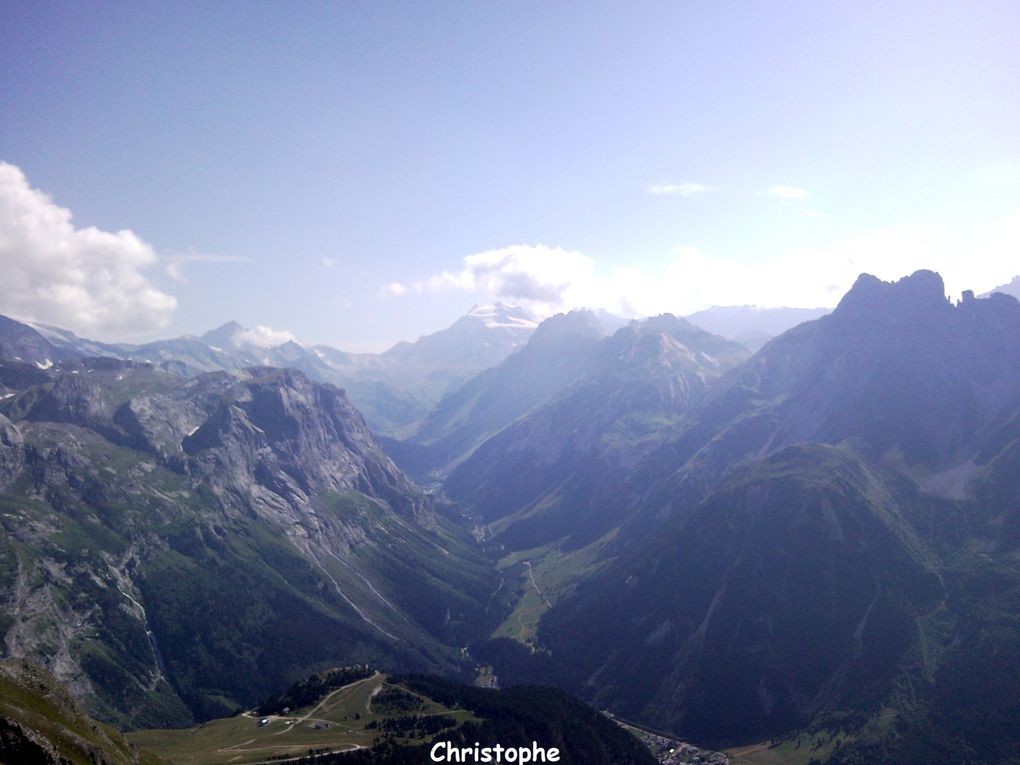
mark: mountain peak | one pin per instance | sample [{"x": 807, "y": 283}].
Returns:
[
  {"x": 581, "y": 322},
  {"x": 921, "y": 291},
  {"x": 223, "y": 335},
  {"x": 665, "y": 322}
]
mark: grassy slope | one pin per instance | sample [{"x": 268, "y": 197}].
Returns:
[
  {"x": 542, "y": 576},
  {"x": 32, "y": 699}
]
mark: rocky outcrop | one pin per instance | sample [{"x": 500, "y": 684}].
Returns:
[{"x": 12, "y": 452}]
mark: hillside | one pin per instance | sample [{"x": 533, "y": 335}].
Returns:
[{"x": 171, "y": 550}]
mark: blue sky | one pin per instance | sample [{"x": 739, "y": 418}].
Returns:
[{"x": 361, "y": 173}]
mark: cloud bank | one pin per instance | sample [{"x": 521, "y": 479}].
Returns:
[
  {"x": 551, "y": 279},
  {"x": 84, "y": 279},
  {"x": 541, "y": 277}
]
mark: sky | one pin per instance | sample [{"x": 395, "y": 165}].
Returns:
[{"x": 358, "y": 173}]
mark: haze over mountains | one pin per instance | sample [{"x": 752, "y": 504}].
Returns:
[
  {"x": 818, "y": 537},
  {"x": 752, "y": 326},
  {"x": 392, "y": 389}
]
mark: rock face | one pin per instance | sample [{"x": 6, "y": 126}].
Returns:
[
  {"x": 174, "y": 547},
  {"x": 280, "y": 432},
  {"x": 12, "y": 452}
]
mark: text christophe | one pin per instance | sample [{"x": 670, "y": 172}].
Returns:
[{"x": 446, "y": 751}]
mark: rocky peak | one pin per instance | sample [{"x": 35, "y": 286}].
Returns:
[
  {"x": 578, "y": 324},
  {"x": 897, "y": 365},
  {"x": 920, "y": 295},
  {"x": 667, "y": 323}
]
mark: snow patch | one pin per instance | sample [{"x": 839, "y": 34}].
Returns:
[
  {"x": 44, "y": 364},
  {"x": 497, "y": 315}
]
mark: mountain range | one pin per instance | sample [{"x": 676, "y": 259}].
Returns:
[
  {"x": 817, "y": 539},
  {"x": 392, "y": 389},
  {"x": 395, "y": 390}
]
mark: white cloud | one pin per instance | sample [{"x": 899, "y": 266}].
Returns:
[
  {"x": 537, "y": 276},
  {"x": 787, "y": 192},
  {"x": 393, "y": 289},
  {"x": 84, "y": 279},
  {"x": 264, "y": 337},
  {"x": 681, "y": 189},
  {"x": 328, "y": 262},
  {"x": 527, "y": 273},
  {"x": 175, "y": 262}
]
